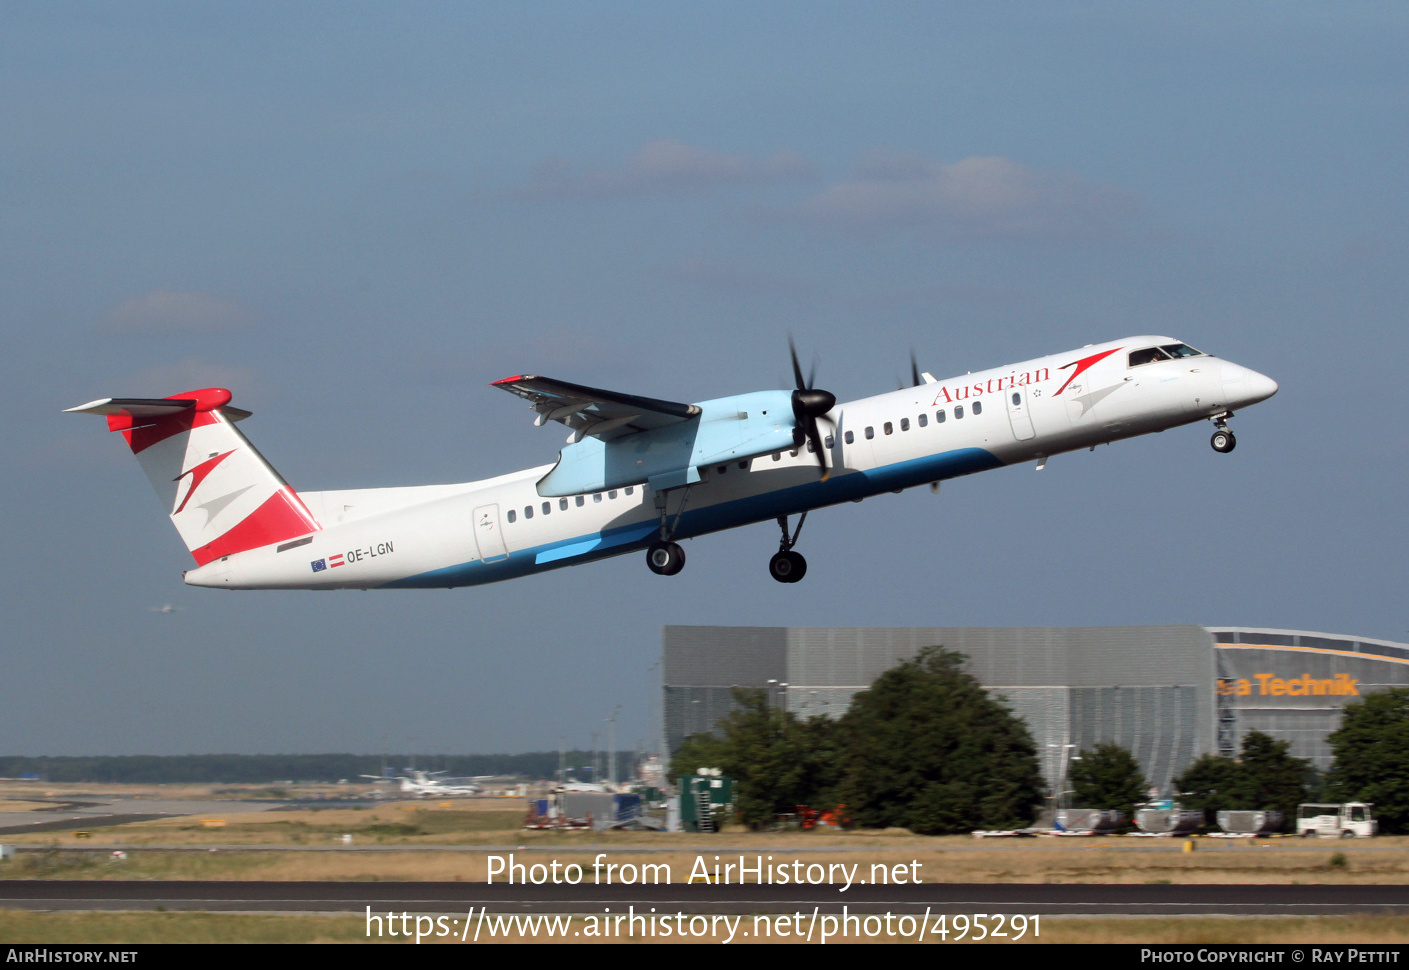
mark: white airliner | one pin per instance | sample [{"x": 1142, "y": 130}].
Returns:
[
  {"x": 641, "y": 474},
  {"x": 428, "y": 784}
]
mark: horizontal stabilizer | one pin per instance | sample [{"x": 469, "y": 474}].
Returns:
[{"x": 139, "y": 408}]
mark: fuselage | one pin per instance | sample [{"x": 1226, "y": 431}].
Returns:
[{"x": 501, "y": 528}]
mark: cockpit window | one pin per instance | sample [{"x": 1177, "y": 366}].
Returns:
[
  {"x": 1181, "y": 350},
  {"x": 1147, "y": 356}
]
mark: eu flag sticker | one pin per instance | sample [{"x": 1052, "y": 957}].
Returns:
[{"x": 319, "y": 565}]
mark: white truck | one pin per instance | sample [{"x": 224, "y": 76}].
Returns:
[{"x": 1348, "y": 821}]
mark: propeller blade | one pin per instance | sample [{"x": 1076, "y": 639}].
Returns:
[
  {"x": 914, "y": 370},
  {"x": 815, "y": 436},
  {"x": 809, "y": 404}
]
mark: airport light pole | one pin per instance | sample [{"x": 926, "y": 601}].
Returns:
[
  {"x": 1059, "y": 792},
  {"x": 611, "y": 744}
]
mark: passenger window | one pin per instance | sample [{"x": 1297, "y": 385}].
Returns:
[
  {"x": 722, "y": 469},
  {"x": 939, "y": 417},
  {"x": 512, "y": 516},
  {"x": 596, "y": 496},
  {"x": 958, "y": 412},
  {"x": 810, "y": 448},
  {"x": 630, "y": 489},
  {"x": 611, "y": 494},
  {"x": 581, "y": 500},
  {"x": 849, "y": 437},
  {"x": 777, "y": 456},
  {"x": 562, "y": 505},
  {"x": 870, "y": 432},
  {"x": 547, "y": 507},
  {"x": 924, "y": 420},
  {"x": 830, "y": 442},
  {"x": 978, "y": 407},
  {"x": 793, "y": 452},
  {"x": 888, "y": 428},
  {"x": 904, "y": 424},
  {"x": 528, "y": 511},
  {"x": 743, "y": 466},
  {"x": 1017, "y": 398}
]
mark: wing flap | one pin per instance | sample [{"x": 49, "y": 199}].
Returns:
[{"x": 591, "y": 411}]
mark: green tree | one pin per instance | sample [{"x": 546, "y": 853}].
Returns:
[
  {"x": 1264, "y": 776},
  {"x": 1209, "y": 786},
  {"x": 698, "y": 751},
  {"x": 1271, "y": 777},
  {"x": 1372, "y": 757},
  {"x": 927, "y": 748},
  {"x": 777, "y": 761},
  {"x": 1108, "y": 776}
]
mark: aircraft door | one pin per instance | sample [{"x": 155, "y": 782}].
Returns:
[
  {"x": 1018, "y": 414},
  {"x": 489, "y": 536}
]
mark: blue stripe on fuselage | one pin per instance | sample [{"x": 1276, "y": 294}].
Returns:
[{"x": 709, "y": 518}]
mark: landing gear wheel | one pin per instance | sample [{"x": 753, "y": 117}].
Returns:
[
  {"x": 665, "y": 558},
  {"x": 787, "y": 567},
  {"x": 1223, "y": 441}
]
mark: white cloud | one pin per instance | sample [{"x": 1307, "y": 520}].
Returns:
[
  {"x": 163, "y": 311},
  {"x": 665, "y": 167},
  {"x": 974, "y": 198}
]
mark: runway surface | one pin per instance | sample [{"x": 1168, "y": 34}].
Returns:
[
  {"x": 99, "y": 811},
  {"x": 458, "y": 898}
]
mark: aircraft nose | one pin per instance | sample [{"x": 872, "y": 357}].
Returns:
[
  {"x": 1258, "y": 387},
  {"x": 1244, "y": 386}
]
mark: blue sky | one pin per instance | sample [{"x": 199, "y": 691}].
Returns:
[{"x": 356, "y": 216}]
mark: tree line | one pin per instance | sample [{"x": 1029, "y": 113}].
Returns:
[
  {"x": 925, "y": 748},
  {"x": 1371, "y": 764},
  {"x": 928, "y": 749},
  {"x": 258, "y": 769}
]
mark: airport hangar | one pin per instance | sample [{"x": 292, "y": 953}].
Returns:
[{"x": 1169, "y": 694}]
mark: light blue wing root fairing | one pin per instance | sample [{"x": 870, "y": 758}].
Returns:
[{"x": 621, "y": 439}]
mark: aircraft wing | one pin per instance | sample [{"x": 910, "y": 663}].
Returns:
[{"x": 590, "y": 411}]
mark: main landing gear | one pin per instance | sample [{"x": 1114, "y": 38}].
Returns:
[
  {"x": 665, "y": 558},
  {"x": 1223, "y": 440},
  {"x": 788, "y": 566}
]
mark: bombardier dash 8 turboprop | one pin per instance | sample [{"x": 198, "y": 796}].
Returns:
[{"x": 639, "y": 473}]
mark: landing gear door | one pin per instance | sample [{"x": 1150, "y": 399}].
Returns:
[
  {"x": 1019, "y": 415},
  {"x": 489, "y": 536}
]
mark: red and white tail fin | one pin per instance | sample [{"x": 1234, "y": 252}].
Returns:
[{"x": 221, "y": 494}]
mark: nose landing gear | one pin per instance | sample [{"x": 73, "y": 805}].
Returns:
[{"x": 1223, "y": 440}]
